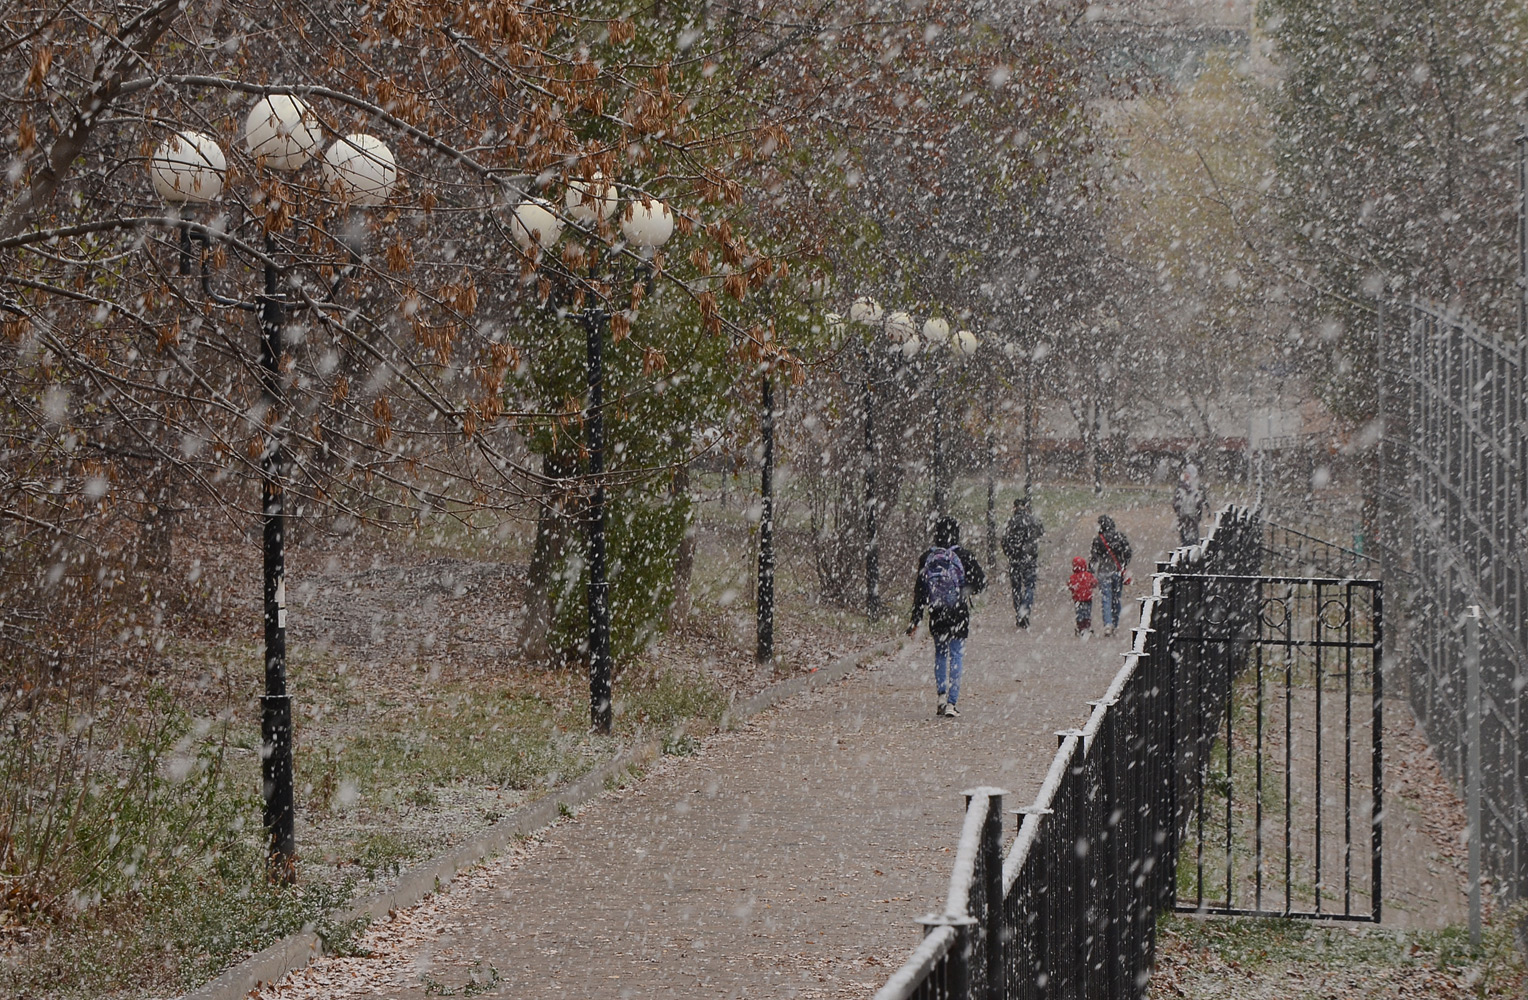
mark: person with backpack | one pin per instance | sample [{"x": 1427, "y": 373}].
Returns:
[
  {"x": 948, "y": 575},
  {"x": 1189, "y": 505},
  {"x": 1021, "y": 544},
  {"x": 1110, "y": 560}
]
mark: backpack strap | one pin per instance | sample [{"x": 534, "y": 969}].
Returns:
[{"x": 1119, "y": 567}]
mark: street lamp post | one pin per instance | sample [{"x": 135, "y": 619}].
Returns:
[
  {"x": 937, "y": 332},
  {"x": 282, "y": 133},
  {"x": 962, "y": 345},
  {"x": 868, "y": 312},
  {"x": 900, "y": 328},
  {"x": 765, "y": 604},
  {"x": 989, "y": 433},
  {"x": 646, "y": 224}
]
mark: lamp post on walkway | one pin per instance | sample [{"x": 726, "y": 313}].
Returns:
[
  {"x": 900, "y": 329},
  {"x": 867, "y": 312},
  {"x": 937, "y": 332},
  {"x": 962, "y": 345},
  {"x": 189, "y": 168},
  {"x": 764, "y": 606},
  {"x": 646, "y": 224}
]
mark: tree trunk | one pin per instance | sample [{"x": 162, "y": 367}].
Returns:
[
  {"x": 553, "y": 533},
  {"x": 684, "y": 563},
  {"x": 1094, "y": 446},
  {"x": 157, "y": 538}
]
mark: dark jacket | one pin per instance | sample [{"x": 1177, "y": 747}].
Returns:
[
  {"x": 1189, "y": 502},
  {"x": 1109, "y": 537},
  {"x": 1021, "y": 539},
  {"x": 949, "y": 623}
]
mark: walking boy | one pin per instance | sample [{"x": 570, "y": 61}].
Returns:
[
  {"x": 947, "y": 577},
  {"x": 1081, "y": 585},
  {"x": 1021, "y": 544}
]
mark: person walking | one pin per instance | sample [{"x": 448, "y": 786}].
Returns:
[
  {"x": 948, "y": 575},
  {"x": 1189, "y": 505},
  {"x": 1021, "y": 544},
  {"x": 1110, "y": 560},
  {"x": 1081, "y": 584}
]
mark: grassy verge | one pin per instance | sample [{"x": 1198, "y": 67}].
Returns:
[
  {"x": 171, "y": 886},
  {"x": 1215, "y": 958}
]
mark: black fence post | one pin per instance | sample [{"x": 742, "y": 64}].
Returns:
[
  {"x": 992, "y": 888},
  {"x": 957, "y": 984},
  {"x": 1033, "y": 965}
]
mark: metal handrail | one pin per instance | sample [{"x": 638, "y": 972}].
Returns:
[
  {"x": 934, "y": 947},
  {"x": 941, "y": 966},
  {"x": 957, "y": 902}
]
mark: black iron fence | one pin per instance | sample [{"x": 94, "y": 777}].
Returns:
[
  {"x": 1451, "y": 507},
  {"x": 1280, "y": 720},
  {"x": 1299, "y": 553},
  {"x": 1071, "y": 911}
]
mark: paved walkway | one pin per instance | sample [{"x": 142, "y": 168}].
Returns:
[{"x": 786, "y": 859}]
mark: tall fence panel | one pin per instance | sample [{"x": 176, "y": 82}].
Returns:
[{"x": 1453, "y": 511}]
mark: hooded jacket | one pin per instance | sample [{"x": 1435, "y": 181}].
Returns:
[
  {"x": 1021, "y": 539},
  {"x": 948, "y": 623},
  {"x": 1109, "y": 538},
  {"x": 1082, "y": 582}
]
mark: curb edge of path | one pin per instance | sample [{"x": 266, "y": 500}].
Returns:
[{"x": 296, "y": 950}]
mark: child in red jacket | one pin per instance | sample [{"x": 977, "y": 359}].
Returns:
[{"x": 1081, "y": 585}]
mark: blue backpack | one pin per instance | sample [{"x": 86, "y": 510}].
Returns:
[{"x": 944, "y": 576}]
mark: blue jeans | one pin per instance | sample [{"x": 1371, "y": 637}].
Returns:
[
  {"x": 947, "y": 661},
  {"x": 1022, "y": 575},
  {"x": 1111, "y": 587}
]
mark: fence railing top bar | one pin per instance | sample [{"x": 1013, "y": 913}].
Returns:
[
  {"x": 1325, "y": 581},
  {"x": 1018, "y": 852},
  {"x": 1044, "y": 799},
  {"x": 955, "y": 904},
  {"x": 1457, "y": 320},
  {"x": 1334, "y": 545},
  {"x": 1122, "y": 677},
  {"x": 906, "y": 980}
]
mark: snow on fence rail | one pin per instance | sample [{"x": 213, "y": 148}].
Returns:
[{"x": 1071, "y": 911}]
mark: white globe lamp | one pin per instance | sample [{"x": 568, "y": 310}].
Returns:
[
  {"x": 910, "y": 347},
  {"x": 865, "y": 310},
  {"x": 590, "y": 201},
  {"x": 282, "y": 131},
  {"x": 900, "y": 327},
  {"x": 188, "y": 167},
  {"x": 965, "y": 344},
  {"x": 936, "y": 330},
  {"x": 361, "y": 170},
  {"x": 647, "y": 223},
  {"x": 533, "y": 223}
]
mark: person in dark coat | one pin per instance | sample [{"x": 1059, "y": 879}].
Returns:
[
  {"x": 1110, "y": 561},
  {"x": 945, "y": 593},
  {"x": 1021, "y": 544},
  {"x": 1189, "y": 505}
]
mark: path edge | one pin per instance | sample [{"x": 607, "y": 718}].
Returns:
[{"x": 295, "y": 951}]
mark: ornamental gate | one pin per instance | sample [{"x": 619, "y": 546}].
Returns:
[{"x": 1278, "y": 723}]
